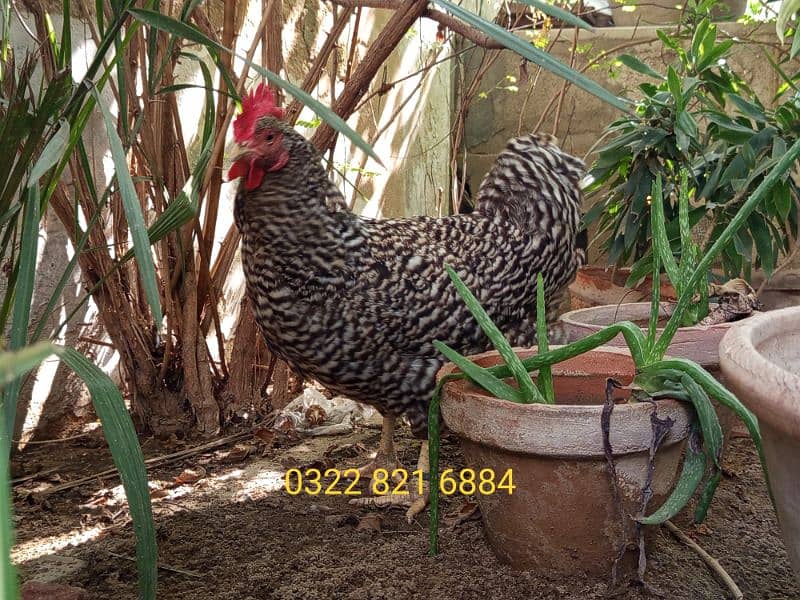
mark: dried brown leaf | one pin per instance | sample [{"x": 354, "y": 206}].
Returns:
[
  {"x": 468, "y": 511},
  {"x": 189, "y": 476},
  {"x": 370, "y": 522},
  {"x": 265, "y": 435}
]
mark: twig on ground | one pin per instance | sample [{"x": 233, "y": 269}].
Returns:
[
  {"x": 161, "y": 566},
  {"x": 710, "y": 561},
  {"x": 150, "y": 462}
]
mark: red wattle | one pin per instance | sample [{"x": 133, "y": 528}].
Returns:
[
  {"x": 238, "y": 169},
  {"x": 254, "y": 177}
]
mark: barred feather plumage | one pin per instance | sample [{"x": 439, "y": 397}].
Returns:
[{"x": 356, "y": 303}]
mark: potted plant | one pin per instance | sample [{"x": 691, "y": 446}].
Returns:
[
  {"x": 761, "y": 363},
  {"x": 473, "y": 415},
  {"x": 700, "y": 116},
  {"x": 696, "y": 342}
]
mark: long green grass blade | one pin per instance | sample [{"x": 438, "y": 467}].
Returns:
[
  {"x": 528, "y": 391},
  {"x": 556, "y": 12},
  {"x": 23, "y": 295},
  {"x": 133, "y": 213},
  {"x": 535, "y": 55},
  {"x": 186, "y": 31},
  {"x": 128, "y": 458},
  {"x": 15, "y": 363},
  {"x": 545, "y": 379},
  {"x": 52, "y": 152}
]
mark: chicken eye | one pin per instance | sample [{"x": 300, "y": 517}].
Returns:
[{"x": 270, "y": 138}]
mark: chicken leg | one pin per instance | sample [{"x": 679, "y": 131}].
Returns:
[
  {"x": 415, "y": 501},
  {"x": 385, "y": 457}
]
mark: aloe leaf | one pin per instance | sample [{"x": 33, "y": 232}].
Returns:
[
  {"x": 545, "y": 380},
  {"x": 479, "y": 375},
  {"x": 759, "y": 194},
  {"x": 655, "y": 305},
  {"x": 694, "y": 466},
  {"x": 133, "y": 213},
  {"x": 527, "y": 389},
  {"x": 186, "y": 31},
  {"x": 127, "y": 454},
  {"x": 660, "y": 381},
  {"x": 709, "y": 422},
  {"x": 659, "y": 231},
  {"x": 433, "y": 466},
  {"x": 701, "y": 510},
  {"x": 535, "y": 55}
]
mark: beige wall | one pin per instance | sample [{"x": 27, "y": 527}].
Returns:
[{"x": 496, "y": 118}]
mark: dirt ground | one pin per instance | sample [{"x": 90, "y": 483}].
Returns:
[{"x": 228, "y": 530}]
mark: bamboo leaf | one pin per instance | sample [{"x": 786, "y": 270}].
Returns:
[
  {"x": 133, "y": 213},
  {"x": 127, "y": 454},
  {"x": 186, "y": 31},
  {"x": 535, "y": 55}
]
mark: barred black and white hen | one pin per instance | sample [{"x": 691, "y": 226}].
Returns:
[{"x": 356, "y": 303}]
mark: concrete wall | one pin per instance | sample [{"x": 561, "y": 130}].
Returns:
[{"x": 497, "y": 117}]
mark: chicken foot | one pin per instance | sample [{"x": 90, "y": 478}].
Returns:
[
  {"x": 411, "y": 498},
  {"x": 386, "y": 457}
]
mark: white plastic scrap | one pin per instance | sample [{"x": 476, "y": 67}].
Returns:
[{"x": 340, "y": 414}]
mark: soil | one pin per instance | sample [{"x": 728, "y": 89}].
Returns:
[{"x": 230, "y": 531}]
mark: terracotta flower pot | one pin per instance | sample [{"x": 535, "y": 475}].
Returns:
[
  {"x": 761, "y": 363},
  {"x": 597, "y": 286},
  {"x": 562, "y": 516},
  {"x": 698, "y": 343}
]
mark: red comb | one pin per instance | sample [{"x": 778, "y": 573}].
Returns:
[{"x": 258, "y": 103}]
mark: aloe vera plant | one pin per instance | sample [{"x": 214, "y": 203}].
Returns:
[{"x": 655, "y": 377}]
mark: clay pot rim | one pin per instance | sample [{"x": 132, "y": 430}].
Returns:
[
  {"x": 581, "y": 421},
  {"x": 573, "y": 317},
  {"x": 774, "y": 399}
]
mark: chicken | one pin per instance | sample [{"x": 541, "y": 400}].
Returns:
[{"x": 356, "y": 303}]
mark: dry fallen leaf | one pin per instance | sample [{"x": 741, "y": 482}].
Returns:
[
  {"x": 238, "y": 453},
  {"x": 190, "y": 476},
  {"x": 370, "y": 522},
  {"x": 315, "y": 415},
  {"x": 159, "y": 493},
  {"x": 264, "y": 435},
  {"x": 468, "y": 511},
  {"x": 703, "y": 529}
]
